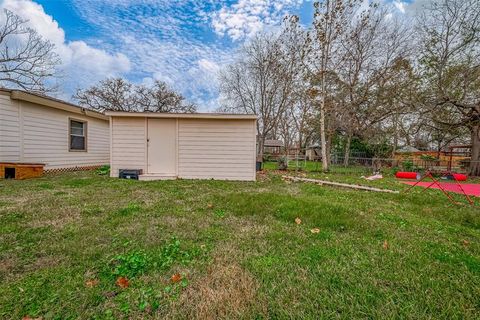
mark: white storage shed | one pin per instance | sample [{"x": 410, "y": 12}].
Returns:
[{"x": 187, "y": 145}]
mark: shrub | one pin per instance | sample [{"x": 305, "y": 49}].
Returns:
[
  {"x": 394, "y": 170},
  {"x": 427, "y": 157},
  {"x": 130, "y": 264},
  {"x": 282, "y": 163},
  {"x": 103, "y": 170},
  {"x": 407, "y": 165}
]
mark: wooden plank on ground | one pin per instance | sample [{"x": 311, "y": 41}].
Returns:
[{"x": 338, "y": 184}]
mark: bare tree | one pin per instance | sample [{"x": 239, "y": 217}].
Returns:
[
  {"x": 301, "y": 112},
  {"x": 160, "y": 98},
  {"x": 117, "y": 94},
  {"x": 261, "y": 81},
  {"x": 114, "y": 94},
  {"x": 27, "y": 60},
  {"x": 331, "y": 18},
  {"x": 450, "y": 61},
  {"x": 359, "y": 52}
]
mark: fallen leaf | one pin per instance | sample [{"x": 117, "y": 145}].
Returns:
[
  {"x": 176, "y": 277},
  {"x": 148, "y": 309},
  {"x": 91, "y": 283},
  {"x": 122, "y": 282},
  {"x": 110, "y": 294},
  {"x": 298, "y": 220},
  {"x": 466, "y": 243},
  {"x": 385, "y": 245},
  {"x": 210, "y": 206},
  {"x": 315, "y": 230}
]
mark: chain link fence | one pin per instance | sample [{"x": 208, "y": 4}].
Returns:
[{"x": 366, "y": 165}]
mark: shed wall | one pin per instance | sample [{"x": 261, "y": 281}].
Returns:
[
  {"x": 128, "y": 140},
  {"x": 218, "y": 149}
]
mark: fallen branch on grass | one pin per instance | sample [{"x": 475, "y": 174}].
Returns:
[{"x": 338, "y": 184}]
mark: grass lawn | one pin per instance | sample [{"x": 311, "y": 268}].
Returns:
[{"x": 80, "y": 245}]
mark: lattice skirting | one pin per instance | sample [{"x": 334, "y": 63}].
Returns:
[{"x": 60, "y": 170}]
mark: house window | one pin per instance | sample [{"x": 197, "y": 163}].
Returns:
[{"x": 78, "y": 135}]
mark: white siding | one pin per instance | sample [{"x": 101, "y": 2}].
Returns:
[
  {"x": 128, "y": 144},
  {"x": 35, "y": 133},
  {"x": 46, "y": 138},
  {"x": 218, "y": 149},
  {"x": 9, "y": 130}
]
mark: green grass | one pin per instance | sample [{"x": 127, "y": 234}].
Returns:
[
  {"x": 66, "y": 239},
  {"x": 316, "y": 166}
]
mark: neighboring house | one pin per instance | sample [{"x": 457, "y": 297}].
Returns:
[
  {"x": 407, "y": 149},
  {"x": 443, "y": 158},
  {"x": 273, "y": 146},
  {"x": 41, "y": 129},
  {"x": 189, "y": 145},
  {"x": 313, "y": 152}
]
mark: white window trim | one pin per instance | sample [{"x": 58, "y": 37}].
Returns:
[{"x": 70, "y": 134}]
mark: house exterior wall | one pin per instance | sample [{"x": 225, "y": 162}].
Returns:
[
  {"x": 218, "y": 149},
  {"x": 128, "y": 144},
  {"x": 9, "y": 130},
  {"x": 221, "y": 149},
  {"x": 40, "y": 134}
]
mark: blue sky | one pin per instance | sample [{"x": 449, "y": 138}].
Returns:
[{"x": 182, "y": 42}]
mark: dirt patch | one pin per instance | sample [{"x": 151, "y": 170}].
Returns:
[
  {"x": 226, "y": 291},
  {"x": 44, "y": 262},
  {"x": 7, "y": 265}
]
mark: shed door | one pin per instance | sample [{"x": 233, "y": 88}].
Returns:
[{"x": 162, "y": 139}]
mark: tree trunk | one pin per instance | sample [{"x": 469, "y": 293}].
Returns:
[
  {"x": 260, "y": 147},
  {"x": 323, "y": 140},
  {"x": 300, "y": 143},
  {"x": 395, "y": 135},
  {"x": 329, "y": 147},
  {"x": 474, "y": 169},
  {"x": 439, "y": 149},
  {"x": 346, "y": 158}
]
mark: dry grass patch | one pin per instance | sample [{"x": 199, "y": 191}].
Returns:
[
  {"x": 59, "y": 221},
  {"x": 7, "y": 264},
  {"x": 44, "y": 262},
  {"x": 226, "y": 291}
]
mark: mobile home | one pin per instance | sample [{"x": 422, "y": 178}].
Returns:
[{"x": 37, "y": 129}]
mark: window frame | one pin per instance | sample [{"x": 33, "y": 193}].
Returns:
[{"x": 85, "y": 134}]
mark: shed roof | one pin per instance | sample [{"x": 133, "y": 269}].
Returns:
[
  {"x": 224, "y": 116},
  {"x": 273, "y": 143},
  {"x": 51, "y": 102},
  {"x": 407, "y": 149}
]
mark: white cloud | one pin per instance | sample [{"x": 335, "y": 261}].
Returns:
[
  {"x": 247, "y": 17},
  {"x": 164, "y": 40},
  {"x": 171, "y": 40},
  {"x": 208, "y": 66},
  {"x": 82, "y": 64},
  {"x": 400, "y": 5}
]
